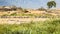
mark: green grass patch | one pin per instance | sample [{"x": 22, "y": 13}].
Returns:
[{"x": 47, "y": 27}]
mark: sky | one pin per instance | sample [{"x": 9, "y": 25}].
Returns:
[{"x": 34, "y": 4}]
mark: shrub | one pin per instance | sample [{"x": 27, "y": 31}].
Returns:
[{"x": 13, "y": 14}]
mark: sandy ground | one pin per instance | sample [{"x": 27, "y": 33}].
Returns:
[{"x": 19, "y": 20}]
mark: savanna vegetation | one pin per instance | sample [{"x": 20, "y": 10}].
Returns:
[{"x": 51, "y": 26}]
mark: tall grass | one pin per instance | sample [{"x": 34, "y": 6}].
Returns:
[{"x": 47, "y": 27}]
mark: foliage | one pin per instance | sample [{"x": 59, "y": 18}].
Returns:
[
  {"x": 5, "y": 15},
  {"x": 41, "y": 9},
  {"x": 13, "y": 14},
  {"x": 51, "y": 4},
  {"x": 47, "y": 27}
]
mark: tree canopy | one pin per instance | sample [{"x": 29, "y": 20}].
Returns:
[{"x": 51, "y": 4}]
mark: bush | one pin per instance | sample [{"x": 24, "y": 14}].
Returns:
[{"x": 14, "y": 14}]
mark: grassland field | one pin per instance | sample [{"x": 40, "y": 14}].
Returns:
[
  {"x": 38, "y": 26},
  {"x": 51, "y": 26}
]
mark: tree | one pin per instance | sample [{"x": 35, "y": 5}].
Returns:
[
  {"x": 51, "y": 4},
  {"x": 41, "y": 9}
]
